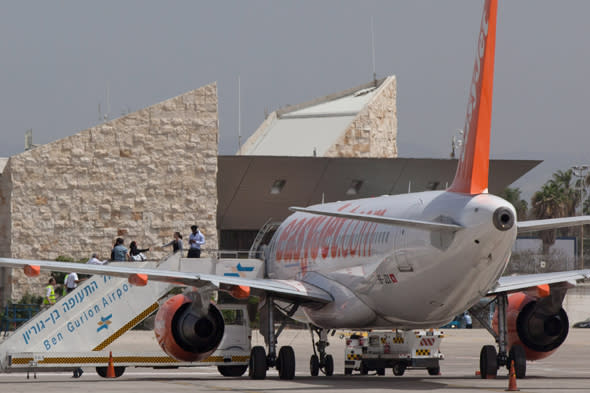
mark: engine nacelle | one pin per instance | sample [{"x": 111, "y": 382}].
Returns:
[
  {"x": 536, "y": 324},
  {"x": 186, "y": 331}
]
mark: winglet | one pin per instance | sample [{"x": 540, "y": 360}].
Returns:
[
  {"x": 32, "y": 270},
  {"x": 472, "y": 171},
  {"x": 138, "y": 279},
  {"x": 240, "y": 292}
]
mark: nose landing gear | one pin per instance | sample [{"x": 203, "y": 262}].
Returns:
[{"x": 320, "y": 361}]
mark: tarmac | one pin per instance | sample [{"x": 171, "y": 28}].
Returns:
[{"x": 565, "y": 371}]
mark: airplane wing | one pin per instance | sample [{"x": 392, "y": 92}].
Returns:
[
  {"x": 428, "y": 225},
  {"x": 539, "y": 225},
  {"x": 286, "y": 289},
  {"x": 523, "y": 282},
  {"x": 519, "y": 283}
]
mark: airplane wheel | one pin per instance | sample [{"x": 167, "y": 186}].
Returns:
[
  {"x": 488, "y": 362},
  {"x": 329, "y": 365},
  {"x": 286, "y": 363},
  {"x": 519, "y": 356},
  {"x": 314, "y": 366},
  {"x": 399, "y": 369},
  {"x": 364, "y": 370},
  {"x": 380, "y": 371},
  {"x": 102, "y": 371},
  {"x": 257, "y": 364},
  {"x": 433, "y": 370},
  {"x": 232, "y": 371}
]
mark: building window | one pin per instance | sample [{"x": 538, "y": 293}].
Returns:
[
  {"x": 355, "y": 187},
  {"x": 277, "y": 186}
]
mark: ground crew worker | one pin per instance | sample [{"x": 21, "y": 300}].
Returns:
[
  {"x": 49, "y": 298},
  {"x": 65, "y": 288}
]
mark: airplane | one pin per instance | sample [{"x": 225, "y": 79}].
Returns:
[{"x": 394, "y": 261}]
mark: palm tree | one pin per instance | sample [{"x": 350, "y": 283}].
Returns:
[
  {"x": 559, "y": 197},
  {"x": 570, "y": 196},
  {"x": 512, "y": 195},
  {"x": 548, "y": 203}
]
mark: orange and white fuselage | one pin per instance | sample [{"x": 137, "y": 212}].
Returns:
[{"x": 385, "y": 275}]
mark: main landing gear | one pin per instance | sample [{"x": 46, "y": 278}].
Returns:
[
  {"x": 491, "y": 360},
  {"x": 320, "y": 360},
  {"x": 260, "y": 362}
]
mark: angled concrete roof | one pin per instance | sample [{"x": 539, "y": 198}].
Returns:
[
  {"x": 3, "y": 162},
  {"x": 306, "y": 136},
  {"x": 311, "y": 128},
  {"x": 244, "y": 182}
]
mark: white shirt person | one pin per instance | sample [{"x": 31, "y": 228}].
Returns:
[
  {"x": 195, "y": 240},
  {"x": 95, "y": 261}
]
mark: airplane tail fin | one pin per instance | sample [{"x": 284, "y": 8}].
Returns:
[{"x": 472, "y": 171}]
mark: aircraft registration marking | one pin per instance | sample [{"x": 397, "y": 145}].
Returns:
[{"x": 386, "y": 279}]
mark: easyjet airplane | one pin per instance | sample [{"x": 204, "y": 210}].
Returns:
[{"x": 394, "y": 261}]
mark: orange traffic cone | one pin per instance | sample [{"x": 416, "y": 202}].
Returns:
[
  {"x": 111, "y": 367},
  {"x": 512, "y": 380}
]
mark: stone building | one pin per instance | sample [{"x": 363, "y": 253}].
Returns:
[
  {"x": 140, "y": 177},
  {"x": 156, "y": 171},
  {"x": 358, "y": 122}
]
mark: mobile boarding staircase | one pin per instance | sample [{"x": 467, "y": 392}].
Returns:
[{"x": 76, "y": 330}]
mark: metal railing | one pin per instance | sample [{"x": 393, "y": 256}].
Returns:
[{"x": 15, "y": 315}]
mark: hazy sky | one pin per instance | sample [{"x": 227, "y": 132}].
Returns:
[{"x": 59, "y": 58}]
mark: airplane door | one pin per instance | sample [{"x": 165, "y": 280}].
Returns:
[
  {"x": 401, "y": 245},
  {"x": 401, "y": 251}
]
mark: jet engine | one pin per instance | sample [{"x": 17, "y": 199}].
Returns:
[
  {"x": 540, "y": 325},
  {"x": 186, "y": 329}
]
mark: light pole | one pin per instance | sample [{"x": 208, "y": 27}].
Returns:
[{"x": 579, "y": 171}]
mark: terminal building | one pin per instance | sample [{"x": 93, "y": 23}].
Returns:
[{"x": 152, "y": 172}]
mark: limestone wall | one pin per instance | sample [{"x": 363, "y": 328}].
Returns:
[
  {"x": 140, "y": 177},
  {"x": 373, "y": 133},
  {"x": 4, "y": 230},
  {"x": 4, "y": 214}
]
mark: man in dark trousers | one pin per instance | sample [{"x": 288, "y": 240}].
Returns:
[{"x": 195, "y": 241}]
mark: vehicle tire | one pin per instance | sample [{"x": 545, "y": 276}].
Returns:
[
  {"x": 399, "y": 369},
  {"x": 433, "y": 370},
  {"x": 286, "y": 363},
  {"x": 329, "y": 365},
  {"x": 102, "y": 371},
  {"x": 347, "y": 371},
  {"x": 257, "y": 364},
  {"x": 488, "y": 362},
  {"x": 518, "y": 354},
  {"x": 314, "y": 365},
  {"x": 232, "y": 371},
  {"x": 380, "y": 371},
  {"x": 364, "y": 370}
]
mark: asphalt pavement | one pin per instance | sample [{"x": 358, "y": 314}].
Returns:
[{"x": 567, "y": 370}]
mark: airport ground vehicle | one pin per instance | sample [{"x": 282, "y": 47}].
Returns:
[{"x": 398, "y": 350}]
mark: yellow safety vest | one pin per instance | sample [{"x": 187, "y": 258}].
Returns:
[
  {"x": 64, "y": 289},
  {"x": 51, "y": 295}
]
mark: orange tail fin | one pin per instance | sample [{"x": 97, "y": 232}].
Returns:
[{"x": 472, "y": 171}]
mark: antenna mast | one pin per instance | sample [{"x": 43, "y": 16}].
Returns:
[
  {"x": 373, "y": 50},
  {"x": 239, "y": 115}
]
